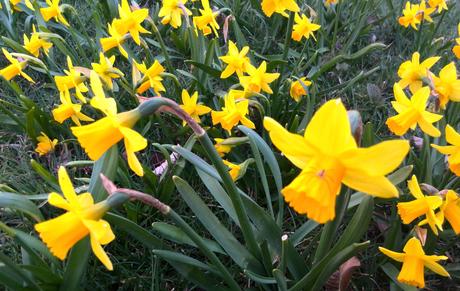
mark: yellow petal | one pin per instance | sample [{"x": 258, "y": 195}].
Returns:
[
  {"x": 399, "y": 257},
  {"x": 100, "y": 254}
]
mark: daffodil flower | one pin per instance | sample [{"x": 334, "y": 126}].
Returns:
[
  {"x": 130, "y": 21},
  {"x": 426, "y": 11},
  {"x": 456, "y": 49},
  {"x": 16, "y": 2},
  {"x": 234, "y": 169},
  {"x": 413, "y": 72},
  {"x": 82, "y": 218},
  {"x": 152, "y": 77},
  {"x": 35, "y": 43},
  {"x": 232, "y": 113},
  {"x": 450, "y": 210},
  {"x": 439, "y": 4},
  {"x": 258, "y": 79},
  {"x": 221, "y": 148},
  {"x": 328, "y": 3},
  {"x": 413, "y": 261},
  {"x": 191, "y": 106},
  {"x": 71, "y": 80},
  {"x": 53, "y": 11},
  {"x": 115, "y": 39},
  {"x": 106, "y": 71},
  {"x": 237, "y": 61},
  {"x": 67, "y": 110},
  {"x": 279, "y": 6},
  {"x": 447, "y": 85},
  {"x": 96, "y": 138},
  {"x": 422, "y": 205},
  {"x": 412, "y": 113},
  {"x": 411, "y": 16},
  {"x": 452, "y": 151},
  {"x": 298, "y": 88},
  {"x": 328, "y": 156},
  {"x": 303, "y": 27},
  {"x": 16, "y": 68},
  {"x": 45, "y": 144},
  {"x": 172, "y": 11},
  {"x": 206, "y": 22}
]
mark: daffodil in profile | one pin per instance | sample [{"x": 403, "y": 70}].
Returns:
[
  {"x": 234, "y": 169},
  {"x": 232, "y": 114},
  {"x": 421, "y": 206},
  {"x": 35, "y": 43},
  {"x": 172, "y": 11},
  {"x": 106, "y": 71},
  {"x": 452, "y": 151},
  {"x": 279, "y": 6},
  {"x": 15, "y": 3},
  {"x": 299, "y": 88},
  {"x": 45, "y": 145},
  {"x": 15, "y": 68},
  {"x": 130, "y": 21},
  {"x": 258, "y": 79},
  {"x": 412, "y": 112},
  {"x": 152, "y": 77},
  {"x": 72, "y": 80},
  {"x": 237, "y": 61},
  {"x": 221, "y": 148},
  {"x": 115, "y": 39},
  {"x": 303, "y": 27},
  {"x": 82, "y": 218},
  {"x": 414, "y": 260},
  {"x": 97, "y": 137},
  {"x": 192, "y": 107},
  {"x": 438, "y": 4},
  {"x": 53, "y": 11},
  {"x": 447, "y": 85},
  {"x": 206, "y": 22},
  {"x": 456, "y": 49},
  {"x": 328, "y": 156},
  {"x": 328, "y": 3},
  {"x": 413, "y": 72},
  {"x": 67, "y": 109},
  {"x": 450, "y": 210}
]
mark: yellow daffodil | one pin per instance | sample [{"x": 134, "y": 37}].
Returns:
[
  {"x": 427, "y": 11},
  {"x": 130, "y": 21},
  {"x": 328, "y": 156},
  {"x": 16, "y": 2},
  {"x": 234, "y": 170},
  {"x": 206, "y": 22},
  {"x": 114, "y": 40},
  {"x": 232, "y": 113},
  {"x": 303, "y": 28},
  {"x": 222, "y": 149},
  {"x": 330, "y": 2},
  {"x": 456, "y": 49},
  {"x": 447, "y": 85},
  {"x": 16, "y": 68},
  {"x": 191, "y": 106},
  {"x": 412, "y": 72},
  {"x": 298, "y": 88},
  {"x": 106, "y": 71},
  {"x": 439, "y": 4},
  {"x": 413, "y": 261},
  {"x": 72, "y": 79},
  {"x": 53, "y": 11},
  {"x": 258, "y": 79},
  {"x": 152, "y": 77},
  {"x": 422, "y": 205},
  {"x": 172, "y": 11},
  {"x": 82, "y": 218},
  {"x": 452, "y": 151},
  {"x": 450, "y": 209},
  {"x": 96, "y": 138},
  {"x": 35, "y": 43},
  {"x": 412, "y": 113},
  {"x": 237, "y": 61},
  {"x": 67, "y": 110},
  {"x": 411, "y": 16},
  {"x": 45, "y": 144},
  {"x": 279, "y": 6}
]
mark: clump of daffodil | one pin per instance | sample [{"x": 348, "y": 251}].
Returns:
[
  {"x": 152, "y": 77},
  {"x": 221, "y": 148},
  {"x": 234, "y": 169},
  {"x": 96, "y": 138},
  {"x": 172, "y": 11},
  {"x": 452, "y": 151},
  {"x": 422, "y": 205},
  {"x": 412, "y": 113},
  {"x": 72, "y": 79},
  {"x": 45, "y": 145},
  {"x": 53, "y": 11},
  {"x": 232, "y": 114},
  {"x": 82, "y": 218},
  {"x": 35, "y": 43},
  {"x": 67, "y": 110},
  {"x": 413, "y": 72},
  {"x": 413, "y": 261},
  {"x": 303, "y": 27},
  {"x": 299, "y": 88},
  {"x": 438, "y": 4},
  {"x": 328, "y": 156},
  {"x": 191, "y": 106},
  {"x": 412, "y": 15},
  {"x": 456, "y": 49},
  {"x": 130, "y": 21},
  {"x": 258, "y": 79},
  {"x": 447, "y": 85},
  {"x": 16, "y": 68},
  {"x": 206, "y": 22},
  {"x": 115, "y": 39},
  {"x": 106, "y": 71},
  {"x": 237, "y": 61},
  {"x": 279, "y": 6}
]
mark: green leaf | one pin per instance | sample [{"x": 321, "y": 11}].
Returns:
[
  {"x": 45, "y": 174},
  {"x": 197, "y": 161},
  {"x": 20, "y": 203},
  {"x": 392, "y": 272},
  {"x": 205, "y": 68},
  {"x": 259, "y": 278},
  {"x": 15, "y": 270},
  {"x": 175, "y": 257}
]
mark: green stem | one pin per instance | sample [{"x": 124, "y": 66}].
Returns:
[
  {"x": 336, "y": 26},
  {"x": 163, "y": 47},
  {"x": 419, "y": 35}
]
